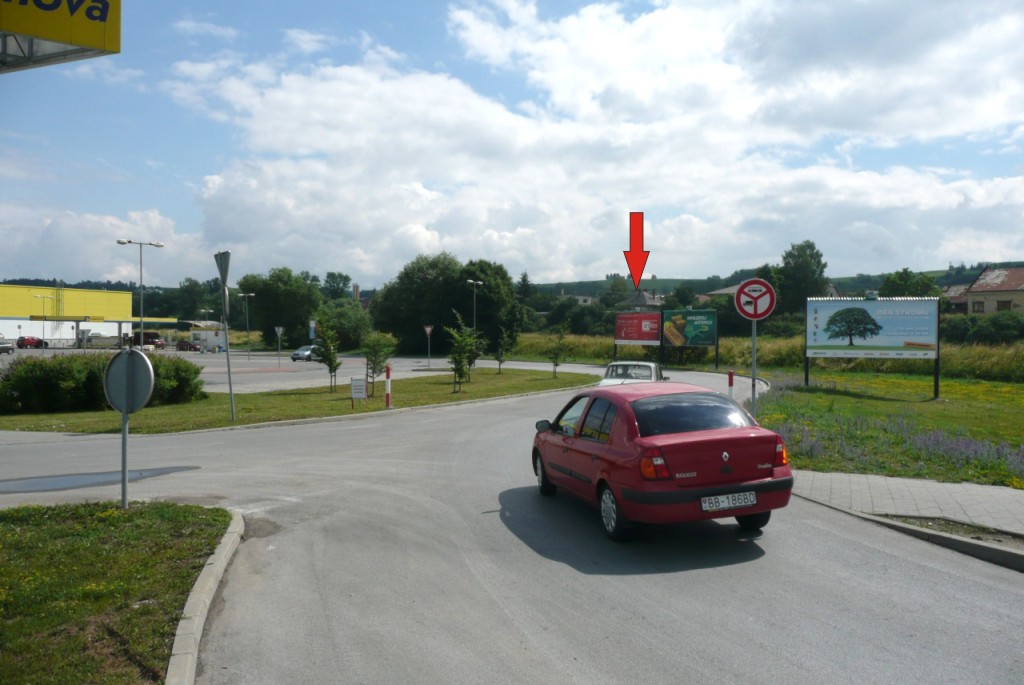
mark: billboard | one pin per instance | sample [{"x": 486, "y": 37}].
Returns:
[
  {"x": 93, "y": 24},
  {"x": 690, "y": 328},
  {"x": 893, "y": 328},
  {"x": 638, "y": 328}
]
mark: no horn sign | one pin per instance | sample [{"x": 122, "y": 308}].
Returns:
[{"x": 755, "y": 299}]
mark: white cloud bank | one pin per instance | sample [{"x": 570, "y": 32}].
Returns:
[{"x": 881, "y": 131}]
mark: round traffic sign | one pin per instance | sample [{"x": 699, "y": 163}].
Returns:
[
  {"x": 128, "y": 381},
  {"x": 755, "y": 299}
]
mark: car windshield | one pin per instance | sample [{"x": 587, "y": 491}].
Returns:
[
  {"x": 686, "y": 412},
  {"x": 633, "y": 371}
]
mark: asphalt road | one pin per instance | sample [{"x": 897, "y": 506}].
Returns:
[{"x": 411, "y": 546}]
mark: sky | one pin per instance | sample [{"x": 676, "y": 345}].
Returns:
[{"x": 353, "y": 136}]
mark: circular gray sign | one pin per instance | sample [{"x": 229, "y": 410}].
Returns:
[{"x": 128, "y": 381}]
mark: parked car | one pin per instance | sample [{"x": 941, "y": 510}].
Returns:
[
  {"x": 187, "y": 346},
  {"x": 6, "y": 346},
  {"x": 31, "y": 341},
  {"x": 618, "y": 373},
  {"x": 153, "y": 339},
  {"x": 305, "y": 354},
  {"x": 662, "y": 453}
]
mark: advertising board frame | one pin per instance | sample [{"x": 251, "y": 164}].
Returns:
[{"x": 889, "y": 327}]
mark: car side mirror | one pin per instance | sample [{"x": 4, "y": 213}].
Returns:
[{"x": 543, "y": 425}]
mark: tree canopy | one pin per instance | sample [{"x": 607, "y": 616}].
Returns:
[
  {"x": 435, "y": 290},
  {"x": 850, "y": 323}
]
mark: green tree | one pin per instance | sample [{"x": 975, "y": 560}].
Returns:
[
  {"x": 347, "y": 318},
  {"x": 286, "y": 299},
  {"x": 905, "y": 283},
  {"x": 559, "y": 350},
  {"x": 326, "y": 349},
  {"x": 434, "y": 290},
  {"x": 618, "y": 290},
  {"x": 378, "y": 348},
  {"x": 852, "y": 322},
  {"x": 463, "y": 351},
  {"x": 801, "y": 275},
  {"x": 424, "y": 292},
  {"x": 524, "y": 289},
  {"x": 336, "y": 286}
]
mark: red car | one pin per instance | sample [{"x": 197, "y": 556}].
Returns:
[
  {"x": 663, "y": 452},
  {"x": 31, "y": 341}
]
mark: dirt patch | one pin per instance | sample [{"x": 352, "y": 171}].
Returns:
[{"x": 965, "y": 530}]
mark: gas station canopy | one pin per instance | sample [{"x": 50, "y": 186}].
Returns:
[{"x": 35, "y": 33}]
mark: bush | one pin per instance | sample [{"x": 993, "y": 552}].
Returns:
[{"x": 74, "y": 382}]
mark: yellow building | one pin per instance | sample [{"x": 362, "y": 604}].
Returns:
[{"x": 58, "y": 314}]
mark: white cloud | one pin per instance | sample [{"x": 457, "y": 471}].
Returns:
[
  {"x": 738, "y": 127},
  {"x": 191, "y": 27}
]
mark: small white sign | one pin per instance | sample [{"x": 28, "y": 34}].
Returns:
[{"x": 359, "y": 389}]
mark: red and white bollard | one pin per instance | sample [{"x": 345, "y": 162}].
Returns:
[
  {"x": 387, "y": 387},
  {"x": 732, "y": 376}
]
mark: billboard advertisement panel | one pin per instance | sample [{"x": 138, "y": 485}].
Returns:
[
  {"x": 893, "y": 328},
  {"x": 638, "y": 328},
  {"x": 94, "y": 24},
  {"x": 690, "y": 328}
]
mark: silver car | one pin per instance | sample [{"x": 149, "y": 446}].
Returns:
[{"x": 304, "y": 354}]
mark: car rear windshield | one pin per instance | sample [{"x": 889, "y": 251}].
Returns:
[{"x": 686, "y": 412}]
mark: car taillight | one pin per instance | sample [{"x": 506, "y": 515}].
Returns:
[
  {"x": 781, "y": 455},
  {"x": 652, "y": 465}
]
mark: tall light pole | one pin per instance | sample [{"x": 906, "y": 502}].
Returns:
[
  {"x": 475, "y": 284},
  {"x": 142, "y": 322},
  {"x": 44, "y": 298},
  {"x": 248, "y": 346}
]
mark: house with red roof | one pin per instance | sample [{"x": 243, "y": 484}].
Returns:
[{"x": 998, "y": 288}]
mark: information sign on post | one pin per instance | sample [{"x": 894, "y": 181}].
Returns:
[
  {"x": 755, "y": 300},
  {"x": 128, "y": 384},
  {"x": 428, "y": 329}
]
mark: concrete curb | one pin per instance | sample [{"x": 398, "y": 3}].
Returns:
[
  {"x": 986, "y": 551},
  {"x": 185, "y": 652}
]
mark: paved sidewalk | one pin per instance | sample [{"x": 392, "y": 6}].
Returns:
[{"x": 982, "y": 505}]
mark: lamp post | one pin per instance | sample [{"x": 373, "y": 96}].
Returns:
[
  {"x": 475, "y": 284},
  {"x": 142, "y": 322},
  {"x": 44, "y": 298},
  {"x": 248, "y": 346}
]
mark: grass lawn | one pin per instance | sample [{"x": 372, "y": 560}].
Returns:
[
  {"x": 90, "y": 593},
  {"x": 305, "y": 403},
  {"x": 890, "y": 425}
]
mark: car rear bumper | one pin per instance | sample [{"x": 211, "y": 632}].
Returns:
[{"x": 684, "y": 504}]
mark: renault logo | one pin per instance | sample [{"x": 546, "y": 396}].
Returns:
[{"x": 725, "y": 456}]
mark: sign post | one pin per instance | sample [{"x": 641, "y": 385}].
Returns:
[
  {"x": 279, "y": 330},
  {"x": 128, "y": 384},
  {"x": 223, "y": 260},
  {"x": 428, "y": 329},
  {"x": 755, "y": 300}
]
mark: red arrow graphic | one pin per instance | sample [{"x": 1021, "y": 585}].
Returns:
[{"x": 636, "y": 256}]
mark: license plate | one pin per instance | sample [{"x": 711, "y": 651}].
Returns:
[{"x": 731, "y": 501}]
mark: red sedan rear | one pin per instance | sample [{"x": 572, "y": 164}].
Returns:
[{"x": 663, "y": 453}]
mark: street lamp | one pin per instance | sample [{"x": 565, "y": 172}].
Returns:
[
  {"x": 475, "y": 284},
  {"x": 248, "y": 347},
  {"x": 142, "y": 322},
  {"x": 44, "y": 298}
]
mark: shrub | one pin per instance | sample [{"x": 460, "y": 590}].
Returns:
[{"x": 74, "y": 382}]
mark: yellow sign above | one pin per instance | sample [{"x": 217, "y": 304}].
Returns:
[{"x": 94, "y": 24}]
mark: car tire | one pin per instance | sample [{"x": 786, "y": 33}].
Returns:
[
  {"x": 754, "y": 521},
  {"x": 615, "y": 524},
  {"x": 546, "y": 487}
]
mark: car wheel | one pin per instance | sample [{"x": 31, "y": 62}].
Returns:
[
  {"x": 545, "y": 485},
  {"x": 754, "y": 521},
  {"x": 615, "y": 524}
]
